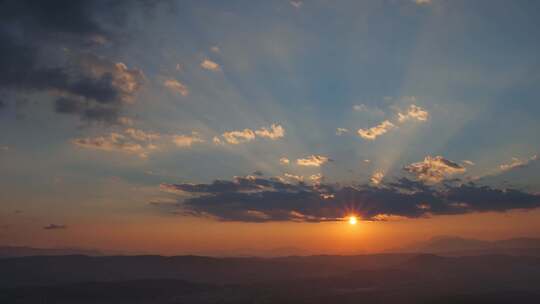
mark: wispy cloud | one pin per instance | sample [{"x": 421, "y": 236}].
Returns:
[
  {"x": 176, "y": 86},
  {"x": 422, "y": 2},
  {"x": 376, "y": 131},
  {"x": 312, "y": 161},
  {"x": 434, "y": 169},
  {"x": 341, "y": 131},
  {"x": 112, "y": 142},
  {"x": 517, "y": 163},
  {"x": 238, "y": 137},
  {"x": 184, "y": 141},
  {"x": 297, "y": 4},
  {"x": 414, "y": 112},
  {"x": 284, "y": 161},
  {"x": 275, "y": 132},
  {"x": 208, "y": 64}
]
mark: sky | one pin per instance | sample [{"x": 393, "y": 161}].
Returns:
[{"x": 228, "y": 127}]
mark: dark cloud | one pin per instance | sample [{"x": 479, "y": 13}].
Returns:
[
  {"x": 54, "y": 227},
  {"x": 256, "y": 199},
  {"x": 32, "y": 37}
]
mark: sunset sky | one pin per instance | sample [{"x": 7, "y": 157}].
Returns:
[{"x": 229, "y": 127}]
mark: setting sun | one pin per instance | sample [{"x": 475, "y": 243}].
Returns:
[{"x": 352, "y": 220}]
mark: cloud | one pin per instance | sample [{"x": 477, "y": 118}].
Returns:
[
  {"x": 55, "y": 227},
  {"x": 422, "y": 2},
  {"x": 275, "y": 132},
  {"x": 284, "y": 161},
  {"x": 183, "y": 141},
  {"x": 468, "y": 162},
  {"x": 208, "y": 64},
  {"x": 341, "y": 131},
  {"x": 376, "y": 131},
  {"x": 434, "y": 169},
  {"x": 298, "y": 178},
  {"x": 296, "y": 4},
  {"x": 246, "y": 199},
  {"x": 176, "y": 86},
  {"x": 215, "y": 49},
  {"x": 377, "y": 177},
  {"x": 414, "y": 112},
  {"x": 113, "y": 142},
  {"x": 142, "y": 135},
  {"x": 517, "y": 163},
  {"x": 238, "y": 137},
  {"x": 312, "y": 161},
  {"x": 83, "y": 84}
]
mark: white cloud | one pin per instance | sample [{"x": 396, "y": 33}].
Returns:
[
  {"x": 237, "y": 137},
  {"x": 377, "y": 177},
  {"x": 176, "y": 86},
  {"x": 376, "y": 131},
  {"x": 414, "y": 112},
  {"x": 341, "y": 131},
  {"x": 208, "y": 64},
  {"x": 434, "y": 169},
  {"x": 275, "y": 132},
  {"x": 312, "y": 161},
  {"x": 184, "y": 141},
  {"x": 284, "y": 161}
]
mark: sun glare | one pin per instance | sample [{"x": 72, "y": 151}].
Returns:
[{"x": 352, "y": 220}]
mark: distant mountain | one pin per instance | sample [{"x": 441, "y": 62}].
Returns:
[
  {"x": 381, "y": 278},
  {"x": 12, "y": 251},
  {"x": 456, "y": 246}
]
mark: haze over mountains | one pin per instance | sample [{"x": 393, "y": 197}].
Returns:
[{"x": 382, "y": 278}]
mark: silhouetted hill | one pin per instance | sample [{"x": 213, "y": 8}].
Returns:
[{"x": 390, "y": 278}]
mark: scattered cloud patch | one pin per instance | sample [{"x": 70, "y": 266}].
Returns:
[
  {"x": 468, "y": 162},
  {"x": 210, "y": 65},
  {"x": 422, "y": 2},
  {"x": 284, "y": 161},
  {"x": 238, "y": 137},
  {"x": 312, "y": 161},
  {"x": 185, "y": 141},
  {"x": 376, "y": 131},
  {"x": 275, "y": 132},
  {"x": 517, "y": 163},
  {"x": 377, "y": 177},
  {"x": 434, "y": 169},
  {"x": 341, "y": 131},
  {"x": 176, "y": 86},
  {"x": 414, "y": 112}
]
